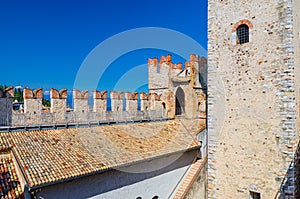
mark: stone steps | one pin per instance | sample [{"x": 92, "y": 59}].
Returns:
[{"x": 190, "y": 178}]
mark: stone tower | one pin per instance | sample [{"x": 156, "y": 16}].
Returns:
[
  {"x": 253, "y": 96},
  {"x": 181, "y": 89}
]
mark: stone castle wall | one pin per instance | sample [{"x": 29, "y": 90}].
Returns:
[
  {"x": 162, "y": 71},
  {"x": 117, "y": 101},
  {"x": 151, "y": 107},
  {"x": 164, "y": 84},
  {"x": 131, "y": 101},
  {"x": 58, "y": 103},
  {"x": 33, "y": 105},
  {"x": 100, "y": 101},
  {"x": 81, "y": 101},
  {"x": 252, "y": 105},
  {"x": 296, "y": 42},
  {"x": 170, "y": 78}
]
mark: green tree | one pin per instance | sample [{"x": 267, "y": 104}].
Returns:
[
  {"x": 46, "y": 102},
  {"x": 3, "y": 87},
  {"x": 18, "y": 95}
]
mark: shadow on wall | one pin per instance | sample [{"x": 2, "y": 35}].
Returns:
[
  {"x": 290, "y": 186},
  {"x": 119, "y": 182}
]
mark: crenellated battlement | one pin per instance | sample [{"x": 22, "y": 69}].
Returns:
[
  {"x": 80, "y": 101},
  {"x": 163, "y": 72},
  {"x": 159, "y": 102},
  {"x": 131, "y": 96},
  {"x": 55, "y": 94},
  {"x": 32, "y": 103},
  {"x": 167, "y": 60},
  {"x": 100, "y": 101},
  {"x": 117, "y": 101},
  {"x": 154, "y": 96},
  {"x": 122, "y": 103},
  {"x": 58, "y": 99},
  {"x": 35, "y": 94},
  {"x": 117, "y": 95},
  {"x": 7, "y": 93},
  {"x": 80, "y": 95},
  {"x": 100, "y": 95}
]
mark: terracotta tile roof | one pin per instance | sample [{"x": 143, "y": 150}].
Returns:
[
  {"x": 9, "y": 182},
  {"x": 48, "y": 156}
]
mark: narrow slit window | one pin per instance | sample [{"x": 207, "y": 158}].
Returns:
[{"x": 243, "y": 34}]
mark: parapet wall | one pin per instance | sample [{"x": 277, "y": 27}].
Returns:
[
  {"x": 80, "y": 100},
  {"x": 58, "y": 102},
  {"x": 124, "y": 106},
  {"x": 32, "y": 104},
  {"x": 173, "y": 90},
  {"x": 100, "y": 101},
  {"x": 34, "y": 113}
]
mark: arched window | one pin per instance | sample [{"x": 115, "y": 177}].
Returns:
[
  {"x": 242, "y": 34},
  {"x": 179, "y": 101}
]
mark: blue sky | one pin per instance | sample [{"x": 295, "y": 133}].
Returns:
[{"x": 44, "y": 43}]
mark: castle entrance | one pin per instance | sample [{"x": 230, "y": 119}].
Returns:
[{"x": 179, "y": 101}]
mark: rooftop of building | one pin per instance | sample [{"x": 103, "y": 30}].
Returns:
[
  {"x": 47, "y": 157},
  {"x": 10, "y": 186}
]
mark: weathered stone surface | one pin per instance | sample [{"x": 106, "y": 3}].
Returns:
[
  {"x": 250, "y": 87},
  {"x": 58, "y": 104},
  {"x": 166, "y": 78},
  {"x": 80, "y": 101}
]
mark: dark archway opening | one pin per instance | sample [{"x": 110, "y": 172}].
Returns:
[
  {"x": 163, "y": 108},
  {"x": 179, "y": 102}
]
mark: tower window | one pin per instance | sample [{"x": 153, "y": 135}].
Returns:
[{"x": 243, "y": 34}]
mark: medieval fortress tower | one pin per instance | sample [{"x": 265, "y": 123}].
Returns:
[{"x": 253, "y": 97}]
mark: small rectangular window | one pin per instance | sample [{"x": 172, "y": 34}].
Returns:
[{"x": 254, "y": 195}]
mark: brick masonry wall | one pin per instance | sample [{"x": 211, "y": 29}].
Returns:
[
  {"x": 251, "y": 98},
  {"x": 198, "y": 189}
]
